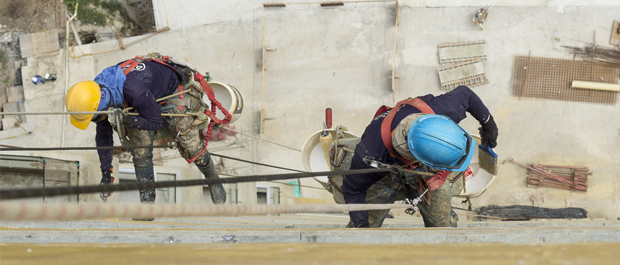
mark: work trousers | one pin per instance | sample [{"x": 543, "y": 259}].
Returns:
[
  {"x": 188, "y": 144},
  {"x": 438, "y": 214}
]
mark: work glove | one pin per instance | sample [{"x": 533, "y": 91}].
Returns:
[
  {"x": 489, "y": 132},
  {"x": 127, "y": 119},
  {"x": 106, "y": 179}
]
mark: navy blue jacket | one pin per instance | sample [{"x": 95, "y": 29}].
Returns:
[
  {"x": 453, "y": 104},
  {"x": 144, "y": 85}
]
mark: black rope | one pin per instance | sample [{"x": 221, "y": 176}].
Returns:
[
  {"x": 131, "y": 147},
  {"x": 8, "y": 194}
]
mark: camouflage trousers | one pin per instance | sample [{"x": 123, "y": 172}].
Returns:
[
  {"x": 438, "y": 214},
  {"x": 188, "y": 144}
]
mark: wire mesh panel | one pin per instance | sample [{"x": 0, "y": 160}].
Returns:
[{"x": 537, "y": 77}]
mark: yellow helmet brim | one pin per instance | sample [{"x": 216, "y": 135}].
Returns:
[{"x": 83, "y": 97}]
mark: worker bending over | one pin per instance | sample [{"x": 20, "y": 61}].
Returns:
[
  {"x": 423, "y": 134},
  {"x": 138, "y": 83}
]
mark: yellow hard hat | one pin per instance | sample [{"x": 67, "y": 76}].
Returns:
[{"x": 83, "y": 96}]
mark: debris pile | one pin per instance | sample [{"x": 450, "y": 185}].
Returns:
[{"x": 521, "y": 212}]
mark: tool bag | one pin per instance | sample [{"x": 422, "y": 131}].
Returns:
[{"x": 343, "y": 162}]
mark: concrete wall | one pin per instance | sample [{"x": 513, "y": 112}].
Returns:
[{"x": 341, "y": 57}]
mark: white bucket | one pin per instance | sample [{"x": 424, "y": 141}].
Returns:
[
  {"x": 481, "y": 180},
  {"x": 312, "y": 156},
  {"x": 230, "y": 98}
]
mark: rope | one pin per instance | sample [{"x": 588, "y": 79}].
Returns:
[
  {"x": 19, "y": 211},
  {"x": 78, "y": 148},
  {"x": 6, "y": 194},
  {"x": 16, "y": 148}
]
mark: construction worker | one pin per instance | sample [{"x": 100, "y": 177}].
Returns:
[
  {"x": 138, "y": 83},
  {"x": 421, "y": 132}
]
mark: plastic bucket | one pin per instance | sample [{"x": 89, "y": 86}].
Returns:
[
  {"x": 312, "y": 156},
  {"x": 481, "y": 180},
  {"x": 230, "y": 98}
]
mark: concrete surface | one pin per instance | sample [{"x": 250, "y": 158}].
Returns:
[
  {"x": 341, "y": 57},
  {"x": 305, "y": 228}
]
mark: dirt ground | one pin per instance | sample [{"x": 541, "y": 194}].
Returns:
[{"x": 27, "y": 15}]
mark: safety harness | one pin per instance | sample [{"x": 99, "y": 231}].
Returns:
[
  {"x": 202, "y": 112},
  {"x": 386, "y": 135}
]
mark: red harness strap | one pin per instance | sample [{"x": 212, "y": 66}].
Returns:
[
  {"x": 386, "y": 133},
  {"x": 211, "y": 113}
]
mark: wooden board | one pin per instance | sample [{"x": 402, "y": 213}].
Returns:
[
  {"x": 61, "y": 16},
  {"x": 615, "y": 35},
  {"x": 25, "y": 44},
  {"x": 39, "y": 43}
]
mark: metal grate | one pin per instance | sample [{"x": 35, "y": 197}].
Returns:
[{"x": 537, "y": 77}]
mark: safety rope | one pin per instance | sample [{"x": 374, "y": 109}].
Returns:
[
  {"x": 7, "y": 194},
  {"x": 20, "y": 211},
  {"x": 16, "y": 148}
]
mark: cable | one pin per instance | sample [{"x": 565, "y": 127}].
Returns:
[
  {"x": 7, "y": 194},
  {"x": 255, "y": 163},
  {"x": 260, "y": 139},
  {"x": 15, "y": 148}
]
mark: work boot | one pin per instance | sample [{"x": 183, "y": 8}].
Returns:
[{"x": 218, "y": 194}]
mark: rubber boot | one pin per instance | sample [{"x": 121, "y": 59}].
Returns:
[{"x": 218, "y": 194}]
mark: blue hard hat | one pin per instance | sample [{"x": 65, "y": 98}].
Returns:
[{"x": 439, "y": 142}]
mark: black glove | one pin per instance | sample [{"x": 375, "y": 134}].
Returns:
[
  {"x": 127, "y": 120},
  {"x": 408, "y": 178},
  {"x": 489, "y": 132},
  {"x": 106, "y": 179}
]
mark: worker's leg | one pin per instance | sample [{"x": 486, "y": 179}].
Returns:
[
  {"x": 439, "y": 213},
  {"x": 143, "y": 160},
  {"x": 379, "y": 193},
  {"x": 190, "y": 145}
]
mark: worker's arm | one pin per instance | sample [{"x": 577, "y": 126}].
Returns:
[
  {"x": 456, "y": 103},
  {"x": 150, "y": 114},
  {"x": 104, "y": 138}
]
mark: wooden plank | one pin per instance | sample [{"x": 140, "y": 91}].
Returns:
[
  {"x": 25, "y": 44},
  {"x": 596, "y": 86},
  {"x": 615, "y": 34},
  {"x": 51, "y": 36},
  {"x": 39, "y": 42},
  {"x": 61, "y": 16}
]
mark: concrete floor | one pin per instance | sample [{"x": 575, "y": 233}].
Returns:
[
  {"x": 307, "y": 239},
  {"x": 305, "y": 228}
]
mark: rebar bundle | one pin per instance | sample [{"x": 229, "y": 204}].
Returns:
[
  {"x": 597, "y": 54},
  {"x": 562, "y": 177}
]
